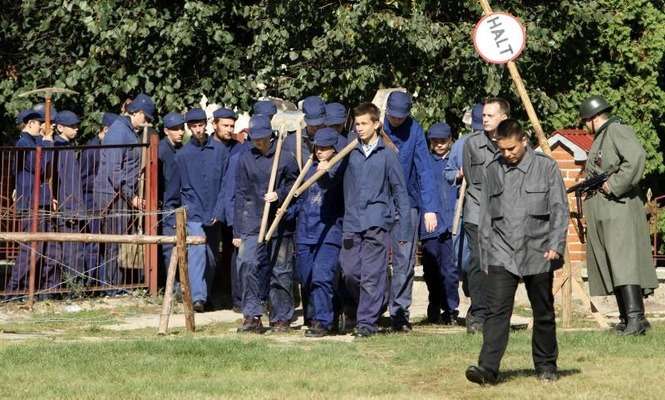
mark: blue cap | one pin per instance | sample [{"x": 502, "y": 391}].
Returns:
[
  {"x": 477, "y": 117},
  {"x": 335, "y": 114},
  {"x": 144, "y": 103},
  {"x": 224, "y": 113},
  {"x": 259, "y": 127},
  {"x": 195, "y": 114},
  {"x": 315, "y": 111},
  {"x": 173, "y": 119},
  {"x": 265, "y": 107},
  {"x": 67, "y": 118},
  {"x": 27, "y": 115},
  {"x": 439, "y": 131},
  {"x": 326, "y": 137},
  {"x": 399, "y": 105},
  {"x": 108, "y": 118}
]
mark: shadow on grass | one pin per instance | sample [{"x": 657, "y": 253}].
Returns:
[{"x": 512, "y": 374}]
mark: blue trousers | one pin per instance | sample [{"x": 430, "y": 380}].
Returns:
[
  {"x": 166, "y": 228},
  {"x": 441, "y": 273},
  {"x": 462, "y": 253},
  {"x": 403, "y": 263},
  {"x": 45, "y": 275},
  {"x": 201, "y": 259},
  {"x": 316, "y": 268},
  {"x": 267, "y": 275},
  {"x": 115, "y": 221},
  {"x": 363, "y": 258},
  {"x": 66, "y": 263}
]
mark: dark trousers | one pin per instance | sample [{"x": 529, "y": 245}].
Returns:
[
  {"x": 229, "y": 279},
  {"x": 403, "y": 263},
  {"x": 167, "y": 228},
  {"x": 500, "y": 288},
  {"x": 441, "y": 273},
  {"x": 267, "y": 274},
  {"x": 316, "y": 267},
  {"x": 19, "y": 279},
  {"x": 66, "y": 262},
  {"x": 115, "y": 221},
  {"x": 364, "y": 257},
  {"x": 475, "y": 278}
]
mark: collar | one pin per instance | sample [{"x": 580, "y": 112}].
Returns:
[
  {"x": 439, "y": 158},
  {"x": 269, "y": 153},
  {"x": 377, "y": 145},
  {"x": 607, "y": 123},
  {"x": 524, "y": 163},
  {"x": 27, "y": 134},
  {"x": 206, "y": 144},
  {"x": 488, "y": 142}
]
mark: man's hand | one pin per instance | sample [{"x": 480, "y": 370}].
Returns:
[
  {"x": 138, "y": 203},
  {"x": 460, "y": 174},
  {"x": 236, "y": 242},
  {"x": 270, "y": 197},
  {"x": 551, "y": 255},
  {"x": 323, "y": 165},
  {"x": 54, "y": 204},
  {"x": 430, "y": 222},
  {"x": 606, "y": 188}
]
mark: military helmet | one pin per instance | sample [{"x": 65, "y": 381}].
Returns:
[{"x": 593, "y": 106}]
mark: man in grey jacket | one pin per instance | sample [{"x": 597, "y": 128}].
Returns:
[{"x": 522, "y": 236}]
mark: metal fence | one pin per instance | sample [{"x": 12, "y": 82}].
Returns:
[{"x": 72, "y": 190}]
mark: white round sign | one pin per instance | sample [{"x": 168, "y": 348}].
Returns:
[{"x": 499, "y": 38}]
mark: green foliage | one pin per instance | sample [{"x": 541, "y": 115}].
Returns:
[{"x": 234, "y": 51}]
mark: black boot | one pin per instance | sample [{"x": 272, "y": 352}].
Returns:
[
  {"x": 618, "y": 328},
  {"x": 634, "y": 308}
]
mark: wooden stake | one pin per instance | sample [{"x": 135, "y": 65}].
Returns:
[
  {"x": 168, "y": 294},
  {"x": 271, "y": 184},
  {"x": 181, "y": 248},
  {"x": 459, "y": 207},
  {"x": 337, "y": 158},
  {"x": 285, "y": 204}
]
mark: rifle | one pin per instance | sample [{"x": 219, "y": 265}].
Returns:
[{"x": 587, "y": 187}]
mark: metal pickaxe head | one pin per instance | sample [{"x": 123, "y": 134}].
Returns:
[{"x": 48, "y": 92}]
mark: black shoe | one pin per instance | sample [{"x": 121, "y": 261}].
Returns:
[
  {"x": 449, "y": 317},
  {"x": 237, "y": 309},
  {"x": 474, "y": 327},
  {"x": 280, "y": 327},
  {"x": 621, "y": 325},
  {"x": 480, "y": 375},
  {"x": 316, "y": 330},
  {"x": 402, "y": 328},
  {"x": 251, "y": 325},
  {"x": 634, "y": 307},
  {"x": 433, "y": 314},
  {"x": 199, "y": 306},
  {"x": 548, "y": 375},
  {"x": 363, "y": 332}
]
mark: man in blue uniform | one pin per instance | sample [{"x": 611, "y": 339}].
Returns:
[
  {"x": 336, "y": 117},
  {"x": 315, "y": 113},
  {"x": 169, "y": 184},
  {"x": 25, "y": 174},
  {"x": 264, "y": 107},
  {"x": 224, "y": 121},
  {"x": 319, "y": 234},
  {"x": 116, "y": 182},
  {"x": 374, "y": 188},
  {"x": 440, "y": 270},
  {"x": 89, "y": 159},
  {"x": 409, "y": 137},
  {"x": 201, "y": 167},
  {"x": 266, "y": 268}
]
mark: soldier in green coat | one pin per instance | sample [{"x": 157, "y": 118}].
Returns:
[{"x": 618, "y": 248}]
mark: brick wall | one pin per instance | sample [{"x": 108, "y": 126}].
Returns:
[{"x": 571, "y": 171}]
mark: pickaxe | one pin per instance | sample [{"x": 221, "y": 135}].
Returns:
[{"x": 47, "y": 93}]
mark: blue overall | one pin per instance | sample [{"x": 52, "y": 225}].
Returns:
[
  {"x": 374, "y": 193},
  {"x": 115, "y": 185},
  {"x": 230, "y": 252},
  {"x": 89, "y": 160},
  {"x": 440, "y": 271},
  {"x": 266, "y": 268},
  {"x": 414, "y": 157},
  {"x": 201, "y": 168},
  {"x": 169, "y": 196},
  {"x": 462, "y": 252},
  {"x": 318, "y": 241},
  {"x": 24, "y": 168}
]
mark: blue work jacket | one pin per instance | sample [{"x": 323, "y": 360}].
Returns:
[
  {"x": 201, "y": 168},
  {"x": 169, "y": 183},
  {"x": 119, "y": 168},
  {"x": 374, "y": 190},
  {"x": 455, "y": 160},
  {"x": 25, "y": 171},
  {"x": 414, "y": 158},
  {"x": 68, "y": 171},
  {"x": 89, "y": 159},
  {"x": 229, "y": 183},
  {"x": 447, "y": 198},
  {"x": 252, "y": 178},
  {"x": 320, "y": 209}
]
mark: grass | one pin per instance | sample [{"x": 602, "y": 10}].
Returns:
[{"x": 217, "y": 364}]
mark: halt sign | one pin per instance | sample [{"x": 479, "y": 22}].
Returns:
[{"x": 499, "y": 38}]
